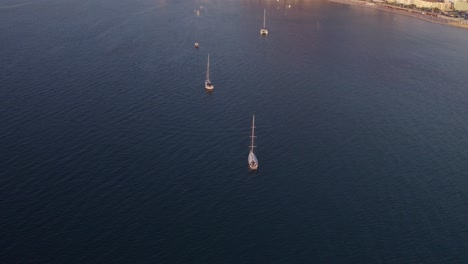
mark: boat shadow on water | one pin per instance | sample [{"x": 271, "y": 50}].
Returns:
[{"x": 254, "y": 172}]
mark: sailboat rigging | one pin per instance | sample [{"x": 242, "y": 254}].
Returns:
[
  {"x": 253, "y": 162},
  {"x": 208, "y": 84},
  {"x": 264, "y": 30}
]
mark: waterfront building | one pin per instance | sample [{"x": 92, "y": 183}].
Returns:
[
  {"x": 448, "y": 5},
  {"x": 460, "y": 5},
  {"x": 405, "y": 2},
  {"x": 429, "y": 4}
]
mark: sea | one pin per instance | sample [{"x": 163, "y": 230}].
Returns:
[{"x": 112, "y": 151}]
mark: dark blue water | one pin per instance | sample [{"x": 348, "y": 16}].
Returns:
[{"x": 112, "y": 152}]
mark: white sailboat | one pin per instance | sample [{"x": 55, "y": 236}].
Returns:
[
  {"x": 208, "y": 84},
  {"x": 253, "y": 162},
  {"x": 264, "y": 31}
]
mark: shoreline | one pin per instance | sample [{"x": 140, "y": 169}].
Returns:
[{"x": 407, "y": 12}]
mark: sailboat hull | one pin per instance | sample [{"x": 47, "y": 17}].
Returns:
[
  {"x": 263, "y": 31},
  {"x": 209, "y": 86},
  {"x": 253, "y": 162}
]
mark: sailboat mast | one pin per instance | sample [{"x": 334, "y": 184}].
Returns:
[
  {"x": 253, "y": 133},
  {"x": 264, "y": 12},
  {"x": 208, "y": 68}
]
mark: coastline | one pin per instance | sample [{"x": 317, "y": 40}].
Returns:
[{"x": 408, "y": 12}]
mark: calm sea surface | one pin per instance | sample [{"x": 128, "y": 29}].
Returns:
[{"x": 112, "y": 152}]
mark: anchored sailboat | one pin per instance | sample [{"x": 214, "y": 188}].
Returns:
[
  {"x": 253, "y": 162},
  {"x": 264, "y": 31},
  {"x": 208, "y": 84}
]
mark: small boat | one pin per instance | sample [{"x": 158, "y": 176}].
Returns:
[
  {"x": 208, "y": 84},
  {"x": 264, "y": 30},
  {"x": 253, "y": 162},
  {"x": 197, "y": 45}
]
